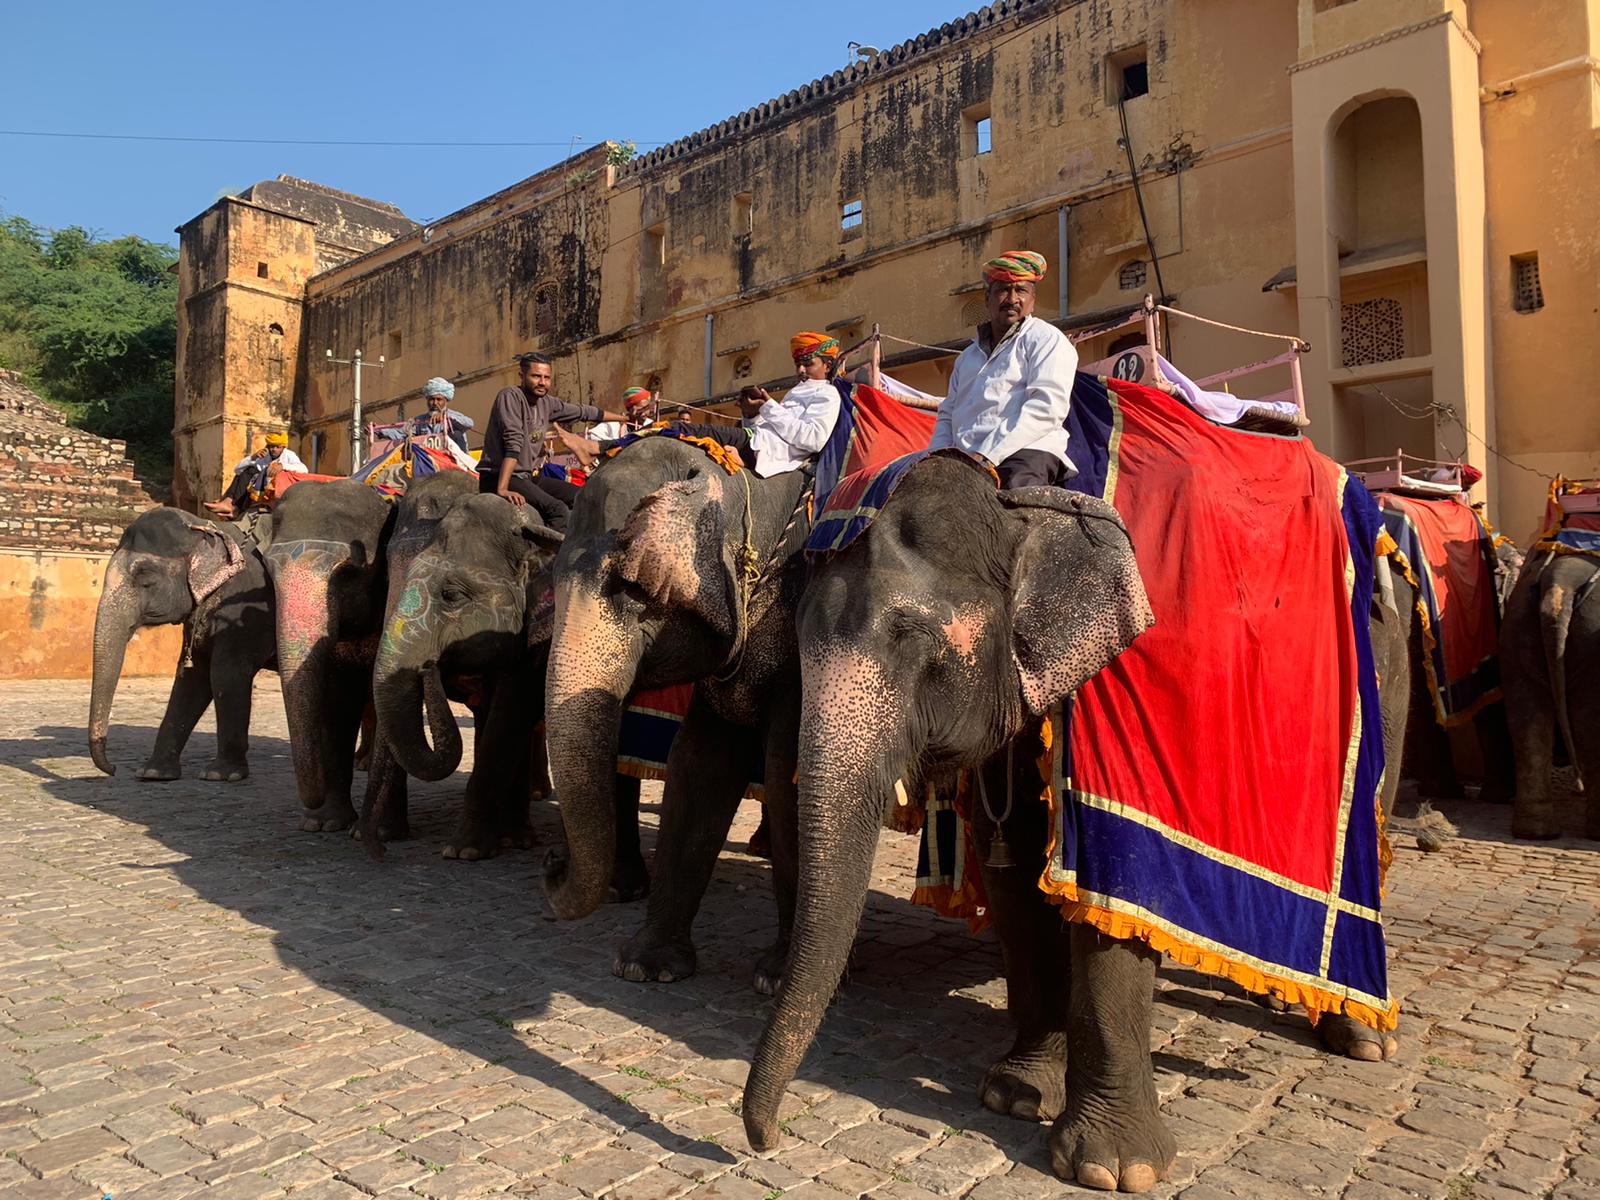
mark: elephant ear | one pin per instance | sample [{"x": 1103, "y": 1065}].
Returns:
[
  {"x": 538, "y": 536},
  {"x": 675, "y": 547},
  {"x": 214, "y": 558},
  {"x": 1077, "y": 598}
]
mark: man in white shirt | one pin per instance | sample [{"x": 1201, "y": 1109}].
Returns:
[
  {"x": 639, "y": 409},
  {"x": 776, "y": 436},
  {"x": 1011, "y": 389},
  {"x": 252, "y": 472}
]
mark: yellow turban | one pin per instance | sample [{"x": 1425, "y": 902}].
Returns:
[
  {"x": 1015, "y": 266},
  {"x": 278, "y": 439},
  {"x": 807, "y": 345}
]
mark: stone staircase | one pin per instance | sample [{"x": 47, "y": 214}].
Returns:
[{"x": 60, "y": 488}]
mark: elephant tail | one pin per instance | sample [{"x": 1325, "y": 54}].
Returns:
[{"x": 1556, "y": 605}]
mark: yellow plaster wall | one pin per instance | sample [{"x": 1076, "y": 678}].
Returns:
[{"x": 47, "y": 608}]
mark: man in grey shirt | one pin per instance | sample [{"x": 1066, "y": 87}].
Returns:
[{"x": 513, "y": 442}]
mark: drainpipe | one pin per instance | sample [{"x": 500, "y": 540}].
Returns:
[
  {"x": 711, "y": 320},
  {"x": 1061, "y": 255}
]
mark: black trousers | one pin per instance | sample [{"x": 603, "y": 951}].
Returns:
[
  {"x": 239, "y": 490},
  {"x": 736, "y": 437},
  {"x": 1032, "y": 468},
  {"x": 551, "y": 498}
]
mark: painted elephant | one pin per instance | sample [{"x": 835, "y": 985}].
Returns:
[
  {"x": 171, "y": 567},
  {"x": 1550, "y": 660},
  {"x": 932, "y": 643},
  {"x": 326, "y": 563},
  {"x": 675, "y": 572},
  {"x": 467, "y": 622}
]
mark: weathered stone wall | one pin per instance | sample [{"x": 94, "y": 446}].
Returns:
[{"x": 60, "y": 488}]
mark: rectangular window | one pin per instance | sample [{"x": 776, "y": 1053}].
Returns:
[
  {"x": 1127, "y": 74},
  {"x": 744, "y": 210},
  {"x": 394, "y": 345},
  {"x": 318, "y": 441},
  {"x": 261, "y": 270},
  {"x": 850, "y": 215},
  {"x": 1526, "y": 293},
  {"x": 975, "y": 130},
  {"x": 655, "y": 245}
]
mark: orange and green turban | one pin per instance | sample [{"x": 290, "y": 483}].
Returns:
[
  {"x": 808, "y": 345},
  {"x": 1015, "y": 266},
  {"x": 635, "y": 396}
]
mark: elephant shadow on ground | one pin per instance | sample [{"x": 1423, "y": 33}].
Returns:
[
  {"x": 468, "y": 955},
  {"x": 1480, "y": 821}
]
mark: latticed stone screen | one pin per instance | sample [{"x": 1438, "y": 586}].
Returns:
[
  {"x": 1372, "y": 331},
  {"x": 1132, "y": 275},
  {"x": 1527, "y": 294}
]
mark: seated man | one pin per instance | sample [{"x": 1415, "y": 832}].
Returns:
[
  {"x": 513, "y": 442},
  {"x": 251, "y": 474},
  {"x": 776, "y": 436},
  {"x": 1011, "y": 389},
  {"x": 639, "y": 407},
  {"x": 440, "y": 417}
]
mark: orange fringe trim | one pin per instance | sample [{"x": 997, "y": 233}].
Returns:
[{"x": 724, "y": 457}]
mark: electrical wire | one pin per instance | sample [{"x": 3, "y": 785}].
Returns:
[
  {"x": 237, "y": 141},
  {"x": 1447, "y": 415}
]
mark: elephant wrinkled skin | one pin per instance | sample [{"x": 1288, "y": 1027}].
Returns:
[{"x": 165, "y": 558}]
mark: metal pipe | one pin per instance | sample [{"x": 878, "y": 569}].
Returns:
[
  {"x": 711, "y": 320},
  {"x": 1062, "y": 277},
  {"x": 355, "y": 419}
]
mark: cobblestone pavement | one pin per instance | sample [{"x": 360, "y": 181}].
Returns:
[{"x": 199, "y": 999}]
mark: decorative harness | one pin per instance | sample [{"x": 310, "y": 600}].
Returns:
[
  {"x": 206, "y": 591},
  {"x": 748, "y": 577}
]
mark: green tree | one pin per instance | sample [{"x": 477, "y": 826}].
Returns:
[{"x": 92, "y": 324}]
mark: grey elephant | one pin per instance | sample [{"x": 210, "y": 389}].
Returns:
[
  {"x": 675, "y": 572},
  {"x": 1550, "y": 656},
  {"x": 326, "y": 563},
  {"x": 168, "y": 568},
  {"x": 467, "y": 621},
  {"x": 934, "y": 642}
]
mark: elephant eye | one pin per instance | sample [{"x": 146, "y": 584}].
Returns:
[{"x": 453, "y": 596}]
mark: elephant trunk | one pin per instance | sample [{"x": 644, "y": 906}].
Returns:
[
  {"x": 307, "y": 627},
  {"x": 1561, "y": 587},
  {"x": 594, "y": 656},
  {"x": 845, "y": 780},
  {"x": 115, "y": 620},
  {"x": 405, "y": 686}
]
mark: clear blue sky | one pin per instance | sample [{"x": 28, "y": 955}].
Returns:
[{"x": 569, "y": 74}]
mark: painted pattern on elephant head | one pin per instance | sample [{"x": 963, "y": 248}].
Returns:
[
  {"x": 301, "y": 572},
  {"x": 488, "y": 603}
]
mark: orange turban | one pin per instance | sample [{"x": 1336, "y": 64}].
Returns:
[
  {"x": 1015, "y": 266},
  {"x": 807, "y": 345}
]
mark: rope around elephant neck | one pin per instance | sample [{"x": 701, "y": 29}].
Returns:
[
  {"x": 983, "y": 793},
  {"x": 747, "y": 575}
]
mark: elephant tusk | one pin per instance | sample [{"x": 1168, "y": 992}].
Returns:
[{"x": 900, "y": 796}]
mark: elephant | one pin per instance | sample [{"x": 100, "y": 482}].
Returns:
[
  {"x": 326, "y": 563},
  {"x": 171, "y": 567},
  {"x": 1550, "y": 660},
  {"x": 1424, "y": 751},
  {"x": 934, "y": 642},
  {"x": 675, "y": 572},
  {"x": 467, "y": 621}
]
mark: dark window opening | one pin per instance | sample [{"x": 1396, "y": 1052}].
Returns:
[
  {"x": 261, "y": 270},
  {"x": 1527, "y": 294},
  {"x": 275, "y": 329},
  {"x": 546, "y": 310},
  {"x": 318, "y": 441},
  {"x": 1128, "y": 74}
]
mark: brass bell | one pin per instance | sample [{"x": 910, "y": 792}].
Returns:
[{"x": 999, "y": 852}]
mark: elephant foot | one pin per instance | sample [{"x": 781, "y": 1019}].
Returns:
[
  {"x": 522, "y": 838},
  {"x": 1497, "y": 791},
  {"x": 159, "y": 772},
  {"x": 1108, "y": 1143},
  {"x": 1341, "y": 1035},
  {"x": 468, "y": 852},
  {"x": 332, "y": 819},
  {"x": 641, "y": 961},
  {"x": 630, "y": 881},
  {"x": 1029, "y": 1083},
  {"x": 1271, "y": 1003},
  {"x": 219, "y": 771},
  {"x": 770, "y": 967},
  {"x": 760, "y": 844}
]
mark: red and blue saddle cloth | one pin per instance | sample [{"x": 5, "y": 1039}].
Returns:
[
  {"x": 1214, "y": 791},
  {"x": 650, "y": 720},
  {"x": 397, "y": 463},
  {"x": 1570, "y": 532},
  {"x": 1446, "y": 552}
]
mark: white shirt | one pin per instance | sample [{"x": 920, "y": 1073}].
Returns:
[
  {"x": 288, "y": 460},
  {"x": 786, "y": 432},
  {"x": 1016, "y": 398},
  {"x": 609, "y": 431}
]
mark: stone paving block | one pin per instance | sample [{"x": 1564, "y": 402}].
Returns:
[
  {"x": 877, "y": 1145},
  {"x": 396, "y": 1170},
  {"x": 57, "y": 1156},
  {"x": 464, "y": 1181}
]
